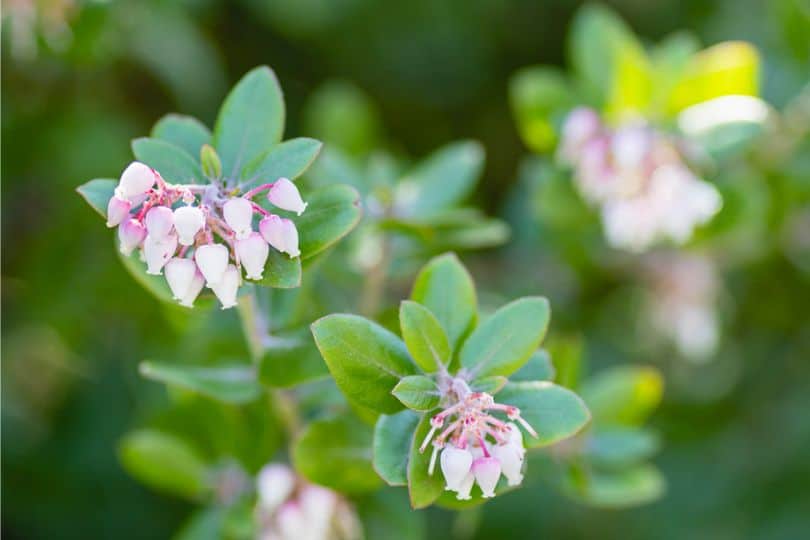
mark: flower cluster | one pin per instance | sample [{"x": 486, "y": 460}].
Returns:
[
  {"x": 290, "y": 508},
  {"x": 477, "y": 447},
  {"x": 201, "y": 235},
  {"x": 637, "y": 176}
]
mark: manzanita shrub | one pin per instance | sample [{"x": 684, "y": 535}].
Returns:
[{"x": 457, "y": 413}]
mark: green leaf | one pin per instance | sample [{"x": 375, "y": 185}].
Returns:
[
  {"x": 291, "y": 360},
  {"x": 392, "y": 444},
  {"x": 417, "y": 392},
  {"x": 617, "y": 489},
  {"x": 424, "y": 336},
  {"x": 230, "y": 384},
  {"x": 211, "y": 164},
  {"x": 365, "y": 359},
  {"x": 386, "y": 515},
  {"x": 537, "y": 368},
  {"x": 623, "y": 395},
  {"x": 336, "y": 453},
  {"x": 205, "y": 524},
  {"x": 331, "y": 214},
  {"x": 442, "y": 179},
  {"x": 154, "y": 284},
  {"x": 250, "y": 121},
  {"x": 446, "y": 288},
  {"x": 620, "y": 447},
  {"x": 335, "y": 167},
  {"x": 184, "y": 131},
  {"x": 670, "y": 59},
  {"x": 286, "y": 160},
  {"x": 632, "y": 81},
  {"x": 490, "y": 385},
  {"x": 97, "y": 193},
  {"x": 537, "y": 95},
  {"x": 164, "y": 462},
  {"x": 172, "y": 162},
  {"x": 423, "y": 488},
  {"x": 281, "y": 272},
  {"x": 506, "y": 340},
  {"x": 567, "y": 354},
  {"x": 554, "y": 412}
]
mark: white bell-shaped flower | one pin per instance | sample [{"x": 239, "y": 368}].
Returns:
[
  {"x": 290, "y": 235},
  {"x": 212, "y": 259},
  {"x": 194, "y": 288},
  {"x": 117, "y": 210},
  {"x": 253, "y": 252},
  {"x": 180, "y": 273},
  {"x": 284, "y": 195},
  {"x": 131, "y": 233},
  {"x": 159, "y": 221},
  {"x": 271, "y": 230},
  {"x": 227, "y": 287},
  {"x": 511, "y": 460},
  {"x": 157, "y": 252},
  {"x": 465, "y": 487},
  {"x": 274, "y": 484},
  {"x": 318, "y": 505},
  {"x": 136, "y": 180},
  {"x": 188, "y": 220},
  {"x": 292, "y": 522},
  {"x": 455, "y": 463},
  {"x": 238, "y": 214},
  {"x": 487, "y": 471},
  {"x": 514, "y": 437}
]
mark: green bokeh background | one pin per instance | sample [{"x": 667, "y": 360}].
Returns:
[{"x": 75, "y": 325}]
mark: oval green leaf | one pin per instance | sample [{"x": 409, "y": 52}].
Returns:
[
  {"x": 331, "y": 214},
  {"x": 423, "y": 487},
  {"x": 424, "y": 336},
  {"x": 183, "y": 131},
  {"x": 286, "y": 160},
  {"x": 97, "y": 193},
  {"x": 229, "y": 384},
  {"x": 172, "y": 162},
  {"x": 392, "y": 444},
  {"x": 417, "y": 392}
]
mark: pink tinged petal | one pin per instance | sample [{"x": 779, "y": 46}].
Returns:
[
  {"x": 194, "y": 288},
  {"x": 515, "y": 437},
  {"x": 465, "y": 486},
  {"x": 158, "y": 252},
  {"x": 179, "y": 275},
  {"x": 117, "y": 210},
  {"x": 487, "y": 471},
  {"x": 455, "y": 464},
  {"x": 159, "y": 221},
  {"x": 290, "y": 236},
  {"x": 272, "y": 231},
  {"x": 274, "y": 484},
  {"x": 511, "y": 459},
  {"x": 291, "y": 520},
  {"x": 227, "y": 287},
  {"x": 238, "y": 214},
  {"x": 212, "y": 259},
  {"x": 131, "y": 233},
  {"x": 136, "y": 180},
  {"x": 285, "y": 195},
  {"x": 188, "y": 220},
  {"x": 253, "y": 252}
]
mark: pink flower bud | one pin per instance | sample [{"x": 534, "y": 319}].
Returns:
[
  {"x": 117, "y": 210},
  {"x": 188, "y": 220},
  {"x": 291, "y": 521},
  {"x": 285, "y": 195},
  {"x": 274, "y": 484},
  {"x": 179, "y": 274},
  {"x": 271, "y": 230},
  {"x": 465, "y": 486},
  {"x": 238, "y": 214},
  {"x": 197, "y": 284},
  {"x": 159, "y": 221},
  {"x": 253, "y": 252},
  {"x": 212, "y": 259},
  {"x": 130, "y": 235},
  {"x": 136, "y": 180},
  {"x": 456, "y": 465},
  {"x": 227, "y": 287},
  {"x": 290, "y": 235},
  {"x": 487, "y": 471},
  {"x": 158, "y": 252},
  {"x": 511, "y": 459}
]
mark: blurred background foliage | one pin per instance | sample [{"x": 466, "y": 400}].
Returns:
[{"x": 82, "y": 78}]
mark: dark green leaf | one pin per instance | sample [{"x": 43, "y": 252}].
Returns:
[
  {"x": 336, "y": 453},
  {"x": 554, "y": 412},
  {"x": 230, "y": 384},
  {"x": 423, "y": 488},
  {"x": 424, "y": 336},
  {"x": 506, "y": 340},
  {"x": 417, "y": 392},
  {"x": 332, "y": 213},
  {"x": 250, "y": 121},
  {"x": 281, "y": 271},
  {"x": 184, "y": 131},
  {"x": 365, "y": 359},
  {"x": 392, "y": 444},
  {"x": 154, "y": 284},
  {"x": 286, "y": 160},
  {"x": 172, "y": 162},
  {"x": 446, "y": 288},
  {"x": 98, "y": 193}
]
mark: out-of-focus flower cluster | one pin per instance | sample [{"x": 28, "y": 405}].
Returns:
[
  {"x": 289, "y": 508},
  {"x": 477, "y": 447},
  {"x": 201, "y": 235},
  {"x": 637, "y": 177}
]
